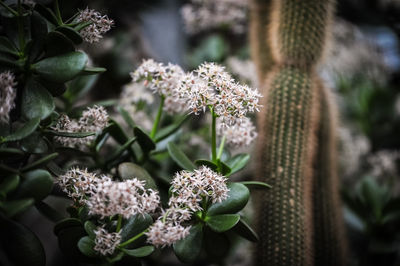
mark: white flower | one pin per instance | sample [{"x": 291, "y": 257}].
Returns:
[
  {"x": 202, "y": 15},
  {"x": 105, "y": 242},
  {"x": 242, "y": 133},
  {"x": 189, "y": 188},
  {"x": 126, "y": 198},
  {"x": 384, "y": 163},
  {"x": 99, "y": 25},
  {"x": 163, "y": 234},
  {"x": 93, "y": 119},
  {"x": 134, "y": 93},
  {"x": 79, "y": 183},
  {"x": 7, "y": 95}
]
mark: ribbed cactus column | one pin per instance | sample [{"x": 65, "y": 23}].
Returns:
[
  {"x": 288, "y": 126},
  {"x": 329, "y": 235}
]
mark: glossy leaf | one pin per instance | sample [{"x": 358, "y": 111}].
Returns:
[
  {"x": 86, "y": 245},
  {"x": 139, "y": 252},
  {"x": 117, "y": 153},
  {"x": 169, "y": 130},
  {"x": 46, "y": 13},
  {"x": 207, "y": 163},
  {"x": 79, "y": 87},
  {"x": 89, "y": 228},
  {"x": 34, "y": 144},
  {"x": 179, "y": 157},
  {"x": 238, "y": 162},
  {"x": 63, "y": 67},
  {"x": 188, "y": 249},
  {"x": 93, "y": 70},
  {"x": 36, "y": 184},
  {"x": 37, "y": 102},
  {"x": 9, "y": 184},
  {"x": 7, "y": 153},
  {"x": 130, "y": 170},
  {"x": 38, "y": 32},
  {"x": 69, "y": 134},
  {"x": 217, "y": 245},
  {"x": 255, "y": 184},
  {"x": 134, "y": 226},
  {"x": 27, "y": 129},
  {"x": 223, "y": 169},
  {"x": 22, "y": 246},
  {"x": 126, "y": 116},
  {"x": 14, "y": 207},
  {"x": 244, "y": 230},
  {"x": 72, "y": 34},
  {"x": 7, "y": 47},
  {"x": 238, "y": 196},
  {"x": 144, "y": 140},
  {"x": 222, "y": 223},
  {"x": 40, "y": 162},
  {"x": 55, "y": 88},
  {"x": 57, "y": 43}
]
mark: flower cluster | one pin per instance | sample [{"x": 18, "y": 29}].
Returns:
[
  {"x": 93, "y": 119},
  {"x": 125, "y": 198},
  {"x": 208, "y": 14},
  {"x": 99, "y": 25},
  {"x": 79, "y": 183},
  {"x": 164, "y": 80},
  {"x": 7, "y": 94},
  {"x": 211, "y": 85},
  {"x": 188, "y": 191},
  {"x": 384, "y": 163},
  {"x": 105, "y": 242},
  {"x": 242, "y": 133}
]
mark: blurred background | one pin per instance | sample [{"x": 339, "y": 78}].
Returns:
[{"x": 362, "y": 68}]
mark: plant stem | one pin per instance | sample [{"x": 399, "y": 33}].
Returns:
[
  {"x": 119, "y": 223},
  {"x": 213, "y": 137},
  {"x": 158, "y": 117},
  {"x": 20, "y": 22},
  {"x": 127, "y": 242},
  {"x": 221, "y": 147},
  {"x": 12, "y": 11}
]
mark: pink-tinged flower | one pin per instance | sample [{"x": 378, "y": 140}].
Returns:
[
  {"x": 164, "y": 233},
  {"x": 99, "y": 25},
  {"x": 8, "y": 93},
  {"x": 125, "y": 198},
  {"x": 105, "y": 242},
  {"x": 241, "y": 134}
]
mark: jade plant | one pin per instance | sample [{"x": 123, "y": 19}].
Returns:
[{"x": 131, "y": 189}]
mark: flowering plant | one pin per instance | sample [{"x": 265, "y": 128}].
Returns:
[{"x": 132, "y": 187}]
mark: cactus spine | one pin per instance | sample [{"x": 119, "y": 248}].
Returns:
[{"x": 291, "y": 212}]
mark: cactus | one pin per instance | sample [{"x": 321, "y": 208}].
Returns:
[
  {"x": 329, "y": 235},
  {"x": 296, "y": 214}
]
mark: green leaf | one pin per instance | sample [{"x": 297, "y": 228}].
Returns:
[
  {"x": 188, "y": 249},
  {"x": 238, "y": 197},
  {"x": 222, "y": 223},
  {"x": 244, "y": 230},
  {"x": 27, "y": 129},
  {"x": 179, "y": 157},
  {"x": 130, "y": 170},
  {"x": 72, "y": 34},
  {"x": 121, "y": 149},
  {"x": 93, "y": 70},
  {"x": 144, "y": 140},
  {"x": 134, "y": 226},
  {"x": 223, "y": 169},
  {"x": 68, "y": 239},
  {"x": 37, "y": 102},
  {"x": 40, "y": 162},
  {"x": 9, "y": 184},
  {"x": 57, "y": 43},
  {"x": 116, "y": 132},
  {"x": 255, "y": 184},
  {"x": 22, "y": 246},
  {"x": 39, "y": 32},
  {"x": 56, "y": 89},
  {"x": 14, "y": 207},
  {"x": 238, "y": 162},
  {"x": 86, "y": 245},
  {"x": 169, "y": 130},
  {"x": 207, "y": 163},
  {"x": 35, "y": 184},
  {"x": 34, "y": 144},
  {"x": 126, "y": 116},
  {"x": 7, "y": 153},
  {"x": 63, "y": 67},
  {"x": 89, "y": 228},
  {"x": 47, "y": 13},
  {"x": 79, "y": 87},
  {"x": 66, "y": 223},
  {"x": 139, "y": 252},
  {"x": 69, "y": 134},
  {"x": 6, "y": 46},
  {"x": 49, "y": 212},
  {"x": 217, "y": 245}
]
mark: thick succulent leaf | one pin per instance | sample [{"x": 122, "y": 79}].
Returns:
[
  {"x": 238, "y": 162},
  {"x": 255, "y": 184},
  {"x": 238, "y": 196},
  {"x": 37, "y": 102},
  {"x": 61, "y": 68},
  {"x": 72, "y": 34},
  {"x": 139, "y": 252},
  {"x": 22, "y": 246},
  {"x": 188, "y": 249},
  {"x": 130, "y": 170},
  {"x": 9, "y": 184},
  {"x": 144, "y": 140},
  {"x": 13, "y": 207},
  {"x": 169, "y": 130},
  {"x": 86, "y": 245},
  {"x": 34, "y": 144},
  {"x": 179, "y": 157},
  {"x": 35, "y": 184},
  {"x": 217, "y": 245},
  {"x": 23, "y": 132},
  {"x": 42, "y": 161},
  {"x": 222, "y": 223},
  {"x": 244, "y": 230}
]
